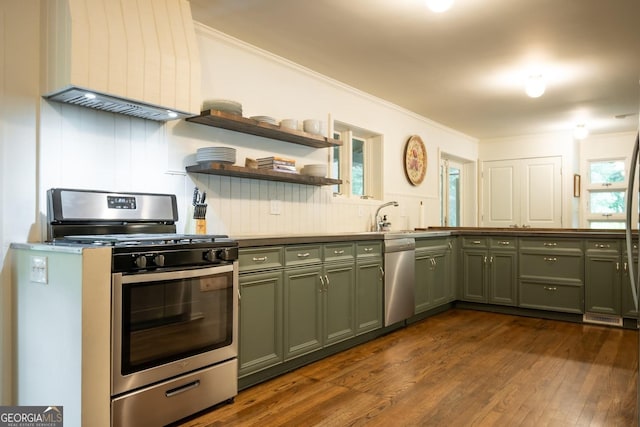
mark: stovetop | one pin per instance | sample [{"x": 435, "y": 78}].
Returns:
[{"x": 146, "y": 239}]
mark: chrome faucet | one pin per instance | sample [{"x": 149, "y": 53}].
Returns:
[{"x": 379, "y": 221}]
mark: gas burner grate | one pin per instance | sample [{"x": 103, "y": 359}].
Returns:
[{"x": 142, "y": 239}]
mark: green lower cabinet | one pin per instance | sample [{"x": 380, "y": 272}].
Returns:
[
  {"x": 319, "y": 307},
  {"x": 474, "y": 278},
  {"x": 433, "y": 283},
  {"x": 339, "y": 303},
  {"x": 503, "y": 281},
  {"x": 260, "y": 321},
  {"x": 303, "y": 317},
  {"x": 603, "y": 275},
  {"x": 369, "y": 296}
]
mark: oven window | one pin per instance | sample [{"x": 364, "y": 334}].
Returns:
[{"x": 168, "y": 320}]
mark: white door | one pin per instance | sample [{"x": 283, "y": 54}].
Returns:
[
  {"x": 522, "y": 193},
  {"x": 501, "y": 206}
]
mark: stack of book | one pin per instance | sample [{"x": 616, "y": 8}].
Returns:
[{"x": 277, "y": 164}]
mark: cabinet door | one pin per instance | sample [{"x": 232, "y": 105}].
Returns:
[
  {"x": 602, "y": 284},
  {"x": 369, "y": 303},
  {"x": 473, "y": 281},
  {"x": 302, "y": 311},
  {"x": 439, "y": 279},
  {"x": 503, "y": 283},
  {"x": 523, "y": 192},
  {"x": 260, "y": 321},
  {"x": 339, "y": 312},
  {"x": 423, "y": 273}
]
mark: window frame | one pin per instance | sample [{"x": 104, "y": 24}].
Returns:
[{"x": 605, "y": 187}]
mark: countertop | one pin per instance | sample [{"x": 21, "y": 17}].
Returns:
[{"x": 431, "y": 232}]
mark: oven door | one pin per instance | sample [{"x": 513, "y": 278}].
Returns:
[{"x": 166, "y": 324}]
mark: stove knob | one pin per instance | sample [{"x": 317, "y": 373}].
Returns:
[
  {"x": 210, "y": 255},
  {"x": 159, "y": 260},
  {"x": 140, "y": 261}
]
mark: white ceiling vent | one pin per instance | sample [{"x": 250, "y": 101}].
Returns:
[{"x": 133, "y": 57}]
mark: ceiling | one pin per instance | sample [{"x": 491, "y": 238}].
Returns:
[{"x": 465, "y": 67}]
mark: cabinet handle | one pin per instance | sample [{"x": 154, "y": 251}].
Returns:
[
  {"x": 504, "y": 243},
  {"x": 326, "y": 282},
  {"x": 260, "y": 259},
  {"x": 304, "y": 255},
  {"x": 485, "y": 260},
  {"x": 602, "y": 245},
  {"x": 321, "y": 284},
  {"x": 624, "y": 267},
  {"x": 550, "y": 288},
  {"x": 433, "y": 264},
  {"x": 550, "y": 259},
  {"x": 491, "y": 260},
  {"x": 617, "y": 266},
  {"x": 450, "y": 245},
  {"x": 368, "y": 249},
  {"x": 476, "y": 242},
  {"x": 338, "y": 252},
  {"x": 550, "y": 244},
  {"x": 239, "y": 295},
  {"x": 381, "y": 271}
]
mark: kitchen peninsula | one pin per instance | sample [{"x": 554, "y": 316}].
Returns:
[{"x": 575, "y": 275}]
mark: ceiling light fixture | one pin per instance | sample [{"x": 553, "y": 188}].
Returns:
[
  {"x": 581, "y": 131},
  {"x": 535, "y": 86},
  {"x": 439, "y": 6}
]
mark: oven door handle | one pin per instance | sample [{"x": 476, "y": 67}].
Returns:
[{"x": 182, "y": 388}]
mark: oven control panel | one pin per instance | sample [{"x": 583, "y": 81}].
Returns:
[{"x": 133, "y": 260}]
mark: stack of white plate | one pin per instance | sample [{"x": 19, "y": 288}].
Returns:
[
  {"x": 265, "y": 119},
  {"x": 315, "y": 170},
  {"x": 225, "y": 105},
  {"x": 216, "y": 154}
]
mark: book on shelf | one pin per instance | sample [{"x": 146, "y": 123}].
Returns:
[{"x": 279, "y": 168}]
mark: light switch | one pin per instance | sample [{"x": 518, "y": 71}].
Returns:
[
  {"x": 275, "y": 207},
  {"x": 39, "y": 270}
]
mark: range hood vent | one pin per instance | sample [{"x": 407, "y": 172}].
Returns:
[
  {"x": 88, "y": 98},
  {"x": 138, "y": 58}
]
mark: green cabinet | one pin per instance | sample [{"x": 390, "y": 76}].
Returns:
[
  {"x": 319, "y": 296},
  {"x": 603, "y": 277},
  {"x": 628, "y": 307},
  {"x": 260, "y": 313},
  {"x": 369, "y": 287},
  {"x": 551, "y": 274},
  {"x": 433, "y": 283},
  {"x": 260, "y": 321},
  {"x": 489, "y": 270}
]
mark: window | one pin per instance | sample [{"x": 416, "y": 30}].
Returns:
[
  {"x": 450, "y": 193},
  {"x": 606, "y": 193},
  {"x": 354, "y": 161}
]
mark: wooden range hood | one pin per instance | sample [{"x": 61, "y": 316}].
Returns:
[{"x": 134, "y": 57}]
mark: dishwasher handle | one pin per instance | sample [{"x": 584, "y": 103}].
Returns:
[{"x": 399, "y": 245}]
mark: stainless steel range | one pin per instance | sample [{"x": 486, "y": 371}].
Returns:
[{"x": 174, "y": 302}]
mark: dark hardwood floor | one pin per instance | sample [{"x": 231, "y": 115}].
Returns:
[{"x": 459, "y": 368}]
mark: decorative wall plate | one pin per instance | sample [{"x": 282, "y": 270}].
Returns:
[{"x": 415, "y": 160}]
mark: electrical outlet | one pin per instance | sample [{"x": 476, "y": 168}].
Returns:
[
  {"x": 274, "y": 207},
  {"x": 360, "y": 211},
  {"x": 39, "y": 270}
]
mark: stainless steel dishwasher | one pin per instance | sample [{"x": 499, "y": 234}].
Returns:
[{"x": 399, "y": 277}]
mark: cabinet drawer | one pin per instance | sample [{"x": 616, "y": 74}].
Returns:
[
  {"x": 432, "y": 243},
  {"x": 602, "y": 245},
  {"x": 339, "y": 252},
  {"x": 254, "y": 259},
  {"x": 552, "y": 266},
  {"x": 369, "y": 249},
  {"x": 503, "y": 243},
  {"x": 303, "y": 254},
  {"x": 550, "y": 243},
  {"x": 551, "y": 296},
  {"x": 475, "y": 242}
]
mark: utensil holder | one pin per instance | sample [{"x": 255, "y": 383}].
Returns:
[{"x": 201, "y": 226}]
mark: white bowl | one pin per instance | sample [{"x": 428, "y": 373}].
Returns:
[
  {"x": 289, "y": 124},
  {"x": 315, "y": 170},
  {"x": 312, "y": 126}
]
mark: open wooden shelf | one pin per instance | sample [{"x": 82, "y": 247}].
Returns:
[
  {"x": 214, "y": 168},
  {"x": 241, "y": 124}
]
